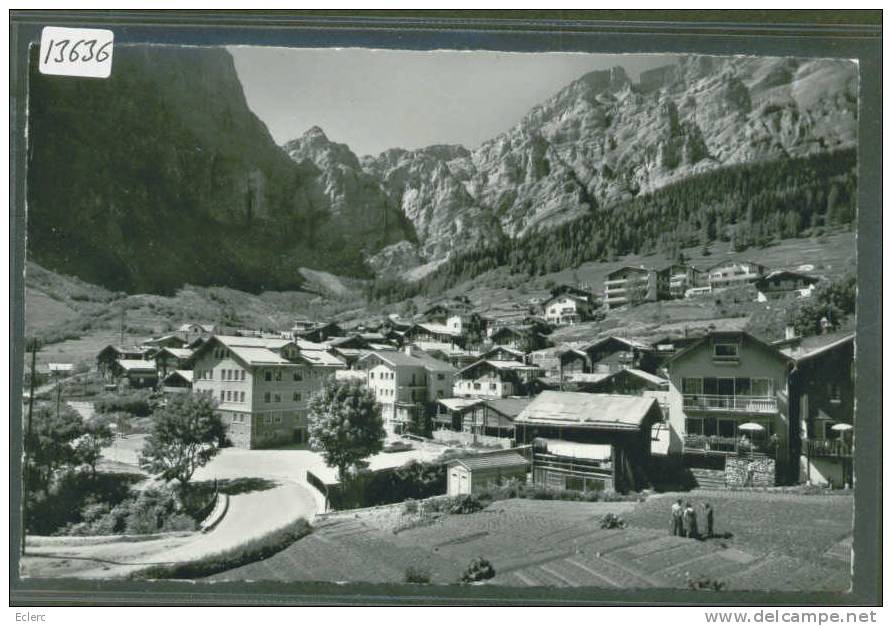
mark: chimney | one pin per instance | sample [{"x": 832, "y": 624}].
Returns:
[{"x": 789, "y": 332}]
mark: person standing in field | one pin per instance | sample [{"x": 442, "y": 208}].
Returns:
[
  {"x": 675, "y": 525},
  {"x": 689, "y": 520}
]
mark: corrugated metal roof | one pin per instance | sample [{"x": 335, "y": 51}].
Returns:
[
  {"x": 599, "y": 411},
  {"x": 491, "y": 460}
]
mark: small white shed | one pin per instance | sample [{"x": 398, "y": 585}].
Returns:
[{"x": 470, "y": 474}]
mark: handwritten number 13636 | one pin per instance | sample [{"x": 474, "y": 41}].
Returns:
[{"x": 80, "y": 50}]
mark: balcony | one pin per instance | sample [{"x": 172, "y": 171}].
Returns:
[
  {"x": 729, "y": 404},
  {"x": 714, "y": 444},
  {"x": 827, "y": 448}
]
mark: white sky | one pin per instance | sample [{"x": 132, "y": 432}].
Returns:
[{"x": 373, "y": 100}]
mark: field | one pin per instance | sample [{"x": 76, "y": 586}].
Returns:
[{"x": 778, "y": 542}]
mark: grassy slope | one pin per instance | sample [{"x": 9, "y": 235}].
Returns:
[{"x": 56, "y": 304}]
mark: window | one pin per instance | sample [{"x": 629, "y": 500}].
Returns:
[
  {"x": 441, "y": 376},
  {"x": 241, "y": 396},
  {"x": 296, "y": 397},
  {"x": 692, "y": 386},
  {"x": 693, "y": 426},
  {"x": 278, "y": 375},
  {"x": 439, "y": 393},
  {"x": 298, "y": 377},
  {"x": 222, "y": 395},
  {"x": 834, "y": 393},
  {"x": 229, "y": 396},
  {"x": 492, "y": 386},
  {"x": 267, "y": 376},
  {"x": 277, "y": 398},
  {"x": 725, "y": 351},
  {"x": 243, "y": 374},
  {"x": 266, "y": 397},
  {"x": 761, "y": 387},
  {"x": 477, "y": 386},
  {"x": 371, "y": 375}
]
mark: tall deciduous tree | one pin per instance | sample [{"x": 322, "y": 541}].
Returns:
[
  {"x": 346, "y": 424},
  {"x": 186, "y": 434},
  {"x": 97, "y": 435},
  {"x": 52, "y": 443}
]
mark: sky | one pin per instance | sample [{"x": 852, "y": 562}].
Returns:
[{"x": 374, "y": 100}]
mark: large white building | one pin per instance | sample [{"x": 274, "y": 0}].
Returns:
[{"x": 262, "y": 386}]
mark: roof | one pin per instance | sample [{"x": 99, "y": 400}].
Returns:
[
  {"x": 303, "y": 344},
  {"x": 776, "y": 273},
  {"x": 136, "y": 365},
  {"x": 259, "y": 356},
  {"x": 809, "y": 347},
  {"x": 457, "y": 404},
  {"x": 733, "y": 262},
  {"x": 252, "y": 342},
  {"x": 180, "y": 353},
  {"x": 60, "y": 367},
  {"x": 184, "y": 374},
  {"x": 629, "y": 341},
  {"x": 509, "y": 407},
  {"x": 651, "y": 378},
  {"x": 508, "y": 349},
  {"x": 626, "y": 268},
  {"x": 441, "y": 346},
  {"x": 188, "y": 326},
  {"x": 491, "y": 460},
  {"x": 439, "y": 329},
  {"x": 321, "y": 357},
  {"x": 596, "y": 411},
  {"x": 398, "y": 358}
]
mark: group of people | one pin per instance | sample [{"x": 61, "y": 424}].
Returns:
[{"x": 684, "y": 520}]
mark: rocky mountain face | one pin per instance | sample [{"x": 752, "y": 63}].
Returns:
[
  {"x": 161, "y": 175},
  {"x": 604, "y": 138}
]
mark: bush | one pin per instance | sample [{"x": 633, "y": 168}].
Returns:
[
  {"x": 137, "y": 402},
  {"x": 255, "y": 550},
  {"x": 417, "y": 576},
  {"x": 464, "y": 504},
  {"x": 611, "y": 520},
  {"x": 705, "y": 584},
  {"x": 479, "y": 569}
]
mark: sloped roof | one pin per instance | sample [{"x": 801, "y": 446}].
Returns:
[
  {"x": 180, "y": 353},
  {"x": 684, "y": 352},
  {"x": 491, "y": 460},
  {"x": 184, "y": 374},
  {"x": 258, "y": 356},
  {"x": 457, "y": 404},
  {"x": 439, "y": 329},
  {"x": 321, "y": 357},
  {"x": 809, "y": 347},
  {"x": 596, "y": 411},
  {"x": 136, "y": 365},
  {"x": 398, "y": 358},
  {"x": 509, "y": 407},
  {"x": 629, "y": 341},
  {"x": 252, "y": 342},
  {"x": 647, "y": 376}
]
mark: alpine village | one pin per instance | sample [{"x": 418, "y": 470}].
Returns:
[{"x": 613, "y": 347}]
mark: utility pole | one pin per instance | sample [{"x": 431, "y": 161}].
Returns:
[
  {"x": 26, "y": 468},
  {"x": 122, "y": 325}
]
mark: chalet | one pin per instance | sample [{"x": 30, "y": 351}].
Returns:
[
  {"x": 480, "y": 417},
  {"x": 262, "y": 386},
  {"x": 606, "y": 355},
  {"x": 433, "y": 332},
  {"x": 318, "y": 332},
  {"x": 109, "y": 355},
  {"x": 177, "y": 381},
  {"x": 783, "y": 283},
  {"x": 505, "y": 353},
  {"x": 191, "y": 329},
  {"x": 456, "y": 356},
  {"x": 495, "y": 379},
  {"x": 168, "y": 360},
  {"x": 822, "y": 406},
  {"x": 349, "y": 349},
  {"x": 683, "y": 278},
  {"x": 725, "y": 380},
  {"x": 568, "y": 308},
  {"x": 526, "y": 338},
  {"x": 733, "y": 273},
  {"x": 592, "y": 442},
  {"x": 167, "y": 341},
  {"x": 628, "y": 382},
  {"x": 629, "y": 286},
  {"x": 406, "y": 383},
  {"x": 138, "y": 373}
]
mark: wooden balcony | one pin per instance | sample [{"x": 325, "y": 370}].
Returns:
[
  {"x": 826, "y": 448},
  {"x": 729, "y": 404}
]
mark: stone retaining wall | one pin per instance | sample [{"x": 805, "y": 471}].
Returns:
[{"x": 737, "y": 471}]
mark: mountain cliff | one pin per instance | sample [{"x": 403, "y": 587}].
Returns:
[
  {"x": 161, "y": 175},
  {"x": 604, "y": 139}
]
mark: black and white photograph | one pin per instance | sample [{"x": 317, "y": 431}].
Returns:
[{"x": 441, "y": 317}]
